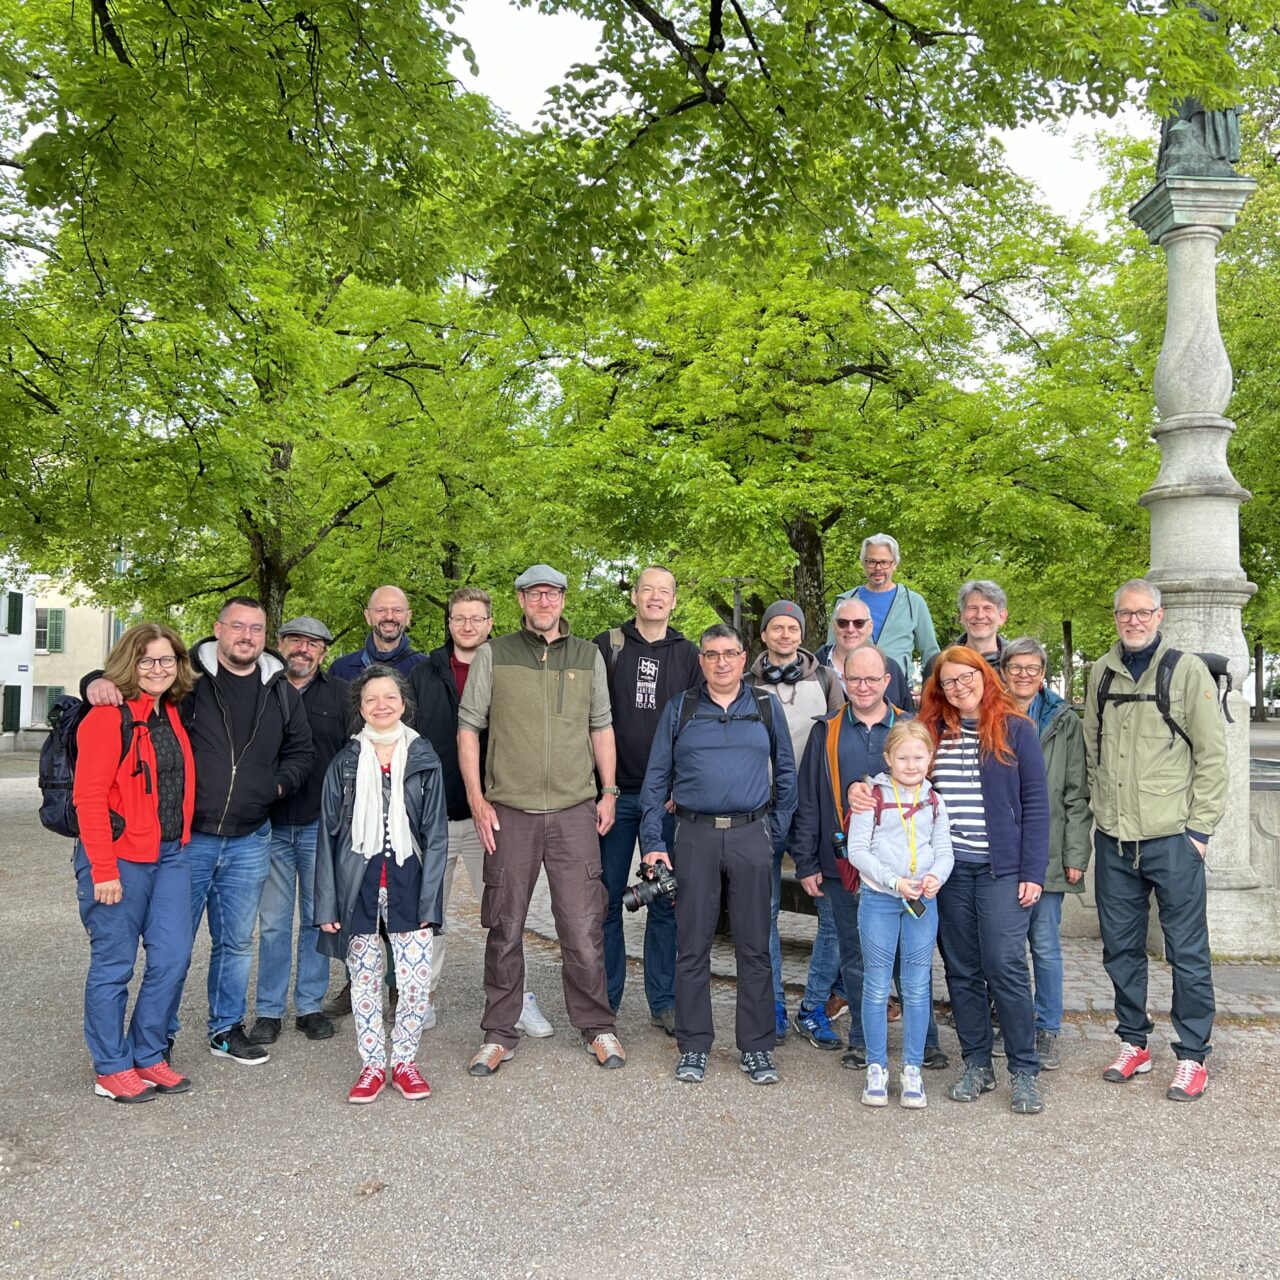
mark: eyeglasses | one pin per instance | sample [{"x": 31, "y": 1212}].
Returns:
[
  {"x": 390, "y": 611},
  {"x": 722, "y": 655},
  {"x": 962, "y": 681},
  {"x": 1016, "y": 669},
  {"x": 548, "y": 594},
  {"x": 855, "y": 624},
  {"x": 474, "y": 623},
  {"x": 167, "y": 663},
  {"x": 303, "y": 642},
  {"x": 253, "y": 628},
  {"x": 866, "y": 681},
  {"x": 878, "y": 564},
  {"x": 1135, "y": 615}
]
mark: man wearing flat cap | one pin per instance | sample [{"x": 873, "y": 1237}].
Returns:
[
  {"x": 303, "y": 644},
  {"x": 543, "y": 695}
]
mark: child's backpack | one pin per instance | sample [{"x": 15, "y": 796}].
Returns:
[
  {"x": 908, "y": 810},
  {"x": 58, "y": 762}
]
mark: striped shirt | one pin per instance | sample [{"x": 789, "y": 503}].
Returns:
[{"x": 957, "y": 780}]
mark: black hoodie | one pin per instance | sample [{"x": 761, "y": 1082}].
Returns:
[{"x": 644, "y": 679}]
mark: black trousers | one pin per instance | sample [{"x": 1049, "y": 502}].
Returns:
[{"x": 736, "y": 863}]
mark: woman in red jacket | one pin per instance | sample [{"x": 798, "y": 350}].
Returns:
[{"x": 134, "y": 793}]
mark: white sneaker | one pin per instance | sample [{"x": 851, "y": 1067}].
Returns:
[
  {"x": 429, "y": 1018},
  {"x": 912, "y": 1089},
  {"x": 876, "y": 1091},
  {"x": 531, "y": 1021}
]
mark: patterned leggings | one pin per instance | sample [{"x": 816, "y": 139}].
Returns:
[{"x": 412, "y": 955}]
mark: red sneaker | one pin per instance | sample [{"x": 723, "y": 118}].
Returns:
[
  {"x": 1130, "y": 1061},
  {"x": 1189, "y": 1081},
  {"x": 371, "y": 1083},
  {"x": 163, "y": 1078},
  {"x": 409, "y": 1082},
  {"x": 124, "y": 1086}
]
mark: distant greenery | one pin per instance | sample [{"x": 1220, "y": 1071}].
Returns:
[{"x": 286, "y": 311}]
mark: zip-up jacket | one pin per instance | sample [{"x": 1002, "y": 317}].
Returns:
[
  {"x": 326, "y": 702},
  {"x": 1070, "y": 818},
  {"x": 340, "y": 871},
  {"x": 540, "y": 701},
  {"x": 992, "y": 659},
  {"x": 1148, "y": 783},
  {"x": 647, "y": 676},
  {"x": 882, "y": 851},
  {"x": 236, "y": 783},
  {"x": 436, "y": 719},
  {"x": 111, "y": 793},
  {"x": 908, "y": 626},
  {"x": 403, "y": 658}
]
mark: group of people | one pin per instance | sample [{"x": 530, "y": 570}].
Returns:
[{"x": 230, "y": 782}]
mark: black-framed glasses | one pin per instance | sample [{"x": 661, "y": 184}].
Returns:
[
  {"x": 1017, "y": 669},
  {"x": 1135, "y": 615},
  {"x": 722, "y": 655},
  {"x": 878, "y": 564},
  {"x": 962, "y": 681},
  {"x": 868, "y": 681},
  {"x": 549, "y": 594}
]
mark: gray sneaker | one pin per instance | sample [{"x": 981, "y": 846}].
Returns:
[
  {"x": 1026, "y": 1100},
  {"x": 973, "y": 1083},
  {"x": 666, "y": 1019},
  {"x": 692, "y": 1068},
  {"x": 759, "y": 1066},
  {"x": 1047, "y": 1048}
]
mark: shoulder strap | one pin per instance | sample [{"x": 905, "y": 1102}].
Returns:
[
  {"x": 616, "y": 641},
  {"x": 1104, "y": 691},
  {"x": 1164, "y": 679},
  {"x": 688, "y": 709},
  {"x": 877, "y": 795},
  {"x": 127, "y": 725}
]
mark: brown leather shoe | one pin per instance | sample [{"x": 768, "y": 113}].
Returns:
[
  {"x": 836, "y": 1006},
  {"x": 340, "y": 1005}
]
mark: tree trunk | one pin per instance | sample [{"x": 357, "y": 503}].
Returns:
[
  {"x": 805, "y": 538},
  {"x": 1068, "y": 662}
]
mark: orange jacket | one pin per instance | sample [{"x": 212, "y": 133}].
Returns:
[{"x": 109, "y": 790}]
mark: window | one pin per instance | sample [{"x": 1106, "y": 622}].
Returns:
[
  {"x": 12, "y": 710},
  {"x": 42, "y": 698},
  {"x": 50, "y": 625},
  {"x": 14, "y": 613}
]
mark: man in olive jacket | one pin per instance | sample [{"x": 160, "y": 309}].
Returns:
[
  {"x": 1157, "y": 796},
  {"x": 543, "y": 695}
]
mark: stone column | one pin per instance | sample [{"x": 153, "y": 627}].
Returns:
[{"x": 1195, "y": 513}]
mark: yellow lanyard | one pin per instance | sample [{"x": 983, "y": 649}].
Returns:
[{"x": 908, "y": 827}]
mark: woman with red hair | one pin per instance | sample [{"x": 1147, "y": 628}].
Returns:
[{"x": 989, "y": 771}]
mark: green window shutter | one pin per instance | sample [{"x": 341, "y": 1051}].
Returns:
[
  {"x": 15, "y": 613},
  {"x": 12, "y": 706},
  {"x": 57, "y": 624}
]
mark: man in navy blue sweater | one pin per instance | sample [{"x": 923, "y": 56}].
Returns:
[{"x": 712, "y": 761}]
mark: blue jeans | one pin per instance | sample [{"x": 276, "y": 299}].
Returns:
[
  {"x": 293, "y": 863},
  {"x": 983, "y": 932},
  {"x": 1046, "y": 960},
  {"x": 824, "y": 963},
  {"x": 889, "y": 930},
  {"x": 844, "y": 915},
  {"x": 617, "y": 855},
  {"x": 227, "y": 875},
  {"x": 156, "y": 909}
]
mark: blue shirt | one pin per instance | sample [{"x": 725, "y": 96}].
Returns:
[
  {"x": 718, "y": 764},
  {"x": 878, "y": 603}
]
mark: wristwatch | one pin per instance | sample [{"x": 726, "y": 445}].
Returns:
[{"x": 610, "y": 791}]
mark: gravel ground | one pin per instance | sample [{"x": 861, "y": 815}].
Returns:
[{"x": 555, "y": 1168}]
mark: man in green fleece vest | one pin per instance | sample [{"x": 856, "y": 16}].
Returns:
[{"x": 543, "y": 695}]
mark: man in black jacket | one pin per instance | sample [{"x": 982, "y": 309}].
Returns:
[
  {"x": 648, "y": 662},
  {"x": 252, "y": 745},
  {"x": 437, "y": 683},
  {"x": 294, "y": 820}
]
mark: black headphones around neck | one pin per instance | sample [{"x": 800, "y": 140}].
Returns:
[{"x": 790, "y": 674}]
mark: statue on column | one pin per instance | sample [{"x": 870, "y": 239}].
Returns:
[{"x": 1196, "y": 143}]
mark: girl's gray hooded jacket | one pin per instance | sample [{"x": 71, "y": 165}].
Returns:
[{"x": 882, "y": 852}]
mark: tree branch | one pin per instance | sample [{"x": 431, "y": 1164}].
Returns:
[
  {"x": 100, "y": 19},
  {"x": 667, "y": 30}
]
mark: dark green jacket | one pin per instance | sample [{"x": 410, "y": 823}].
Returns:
[{"x": 1070, "y": 819}]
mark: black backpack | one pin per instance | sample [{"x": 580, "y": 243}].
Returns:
[
  {"x": 58, "y": 762},
  {"x": 1216, "y": 664}
]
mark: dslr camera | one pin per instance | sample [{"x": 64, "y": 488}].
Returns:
[{"x": 656, "y": 881}]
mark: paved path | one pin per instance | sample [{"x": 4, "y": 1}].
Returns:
[{"x": 557, "y": 1169}]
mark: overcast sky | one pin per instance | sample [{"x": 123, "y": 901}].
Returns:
[{"x": 522, "y": 52}]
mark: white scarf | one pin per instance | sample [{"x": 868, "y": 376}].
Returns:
[{"x": 367, "y": 822}]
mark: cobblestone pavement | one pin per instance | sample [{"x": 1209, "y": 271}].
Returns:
[{"x": 554, "y": 1168}]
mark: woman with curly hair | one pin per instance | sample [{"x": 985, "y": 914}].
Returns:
[
  {"x": 989, "y": 771},
  {"x": 134, "y": 793}
]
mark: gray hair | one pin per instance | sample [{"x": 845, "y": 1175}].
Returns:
[
  {"x": 722, "y": 631},
  {"x": 880, "y": 540},
  {"x": 1148, "y": 589},
  {"x": 1025, "y": 646},
  {"x": 985, "y": 588},
  {"x": 867, "y": 648},
  {"x": 848, "y": 600}
]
